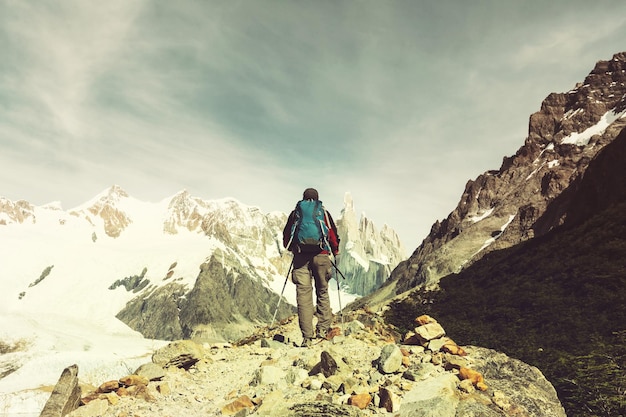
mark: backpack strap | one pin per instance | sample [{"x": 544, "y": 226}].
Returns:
[
  {"x": 325, "y": 235},
  {"x": 293, "y": 228}
]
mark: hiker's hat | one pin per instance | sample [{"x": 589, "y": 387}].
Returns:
[{"x": 310, "y": 194}]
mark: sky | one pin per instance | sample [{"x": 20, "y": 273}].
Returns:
[{"x": 399, "y": 103}]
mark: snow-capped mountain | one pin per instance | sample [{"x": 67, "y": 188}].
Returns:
[{"x": 125, "y": 254}]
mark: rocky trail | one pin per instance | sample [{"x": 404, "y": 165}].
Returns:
[{"x": 362, "y": 368}]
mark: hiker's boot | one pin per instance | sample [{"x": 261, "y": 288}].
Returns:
[
  {"x": 321, "y": 334},
  {"x": 307, "y": 342}
]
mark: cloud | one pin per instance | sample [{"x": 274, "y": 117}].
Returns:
[
  {"x": 398, "y": 102},
  {"x": 57, "y": 53}
]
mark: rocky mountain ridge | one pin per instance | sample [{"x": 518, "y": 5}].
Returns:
[
  {"x": 564, "y": 291},
  {"x": 504, "y": 207},
  {"x": 365, "y": 369}
]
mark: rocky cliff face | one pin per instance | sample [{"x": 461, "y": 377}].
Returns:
[
  {"x": 367, "y": 255},
  {"x": 504, "y": 207},
  {"x": 225, "y": 302},
  {"x": 602, "y": 185}
]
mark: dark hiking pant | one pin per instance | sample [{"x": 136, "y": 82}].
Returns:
[{"x": 309, "y": 269}]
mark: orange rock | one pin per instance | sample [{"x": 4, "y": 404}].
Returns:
[
  {"x": 453, "y": 348},
  {"x": 474, "y": 376},
  {"x": 123, "y": 392},
  {"x": 424, "y": 319},
  {"x": 140, "y": 391},
  {"x": 405, "y": 352},
  {"x": 90, "y": 397},
  {"x": 134, "y": 380},
  {"x": 237, "y": 405},
  {"x": 360, "y": 400},
  {"x": 406, "y": 361},
  {"x": 335, "y": 331},
  {"x": 108, "y": 386}
]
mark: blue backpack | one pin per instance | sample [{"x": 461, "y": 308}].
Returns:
[{"x": 309, "y": 231}]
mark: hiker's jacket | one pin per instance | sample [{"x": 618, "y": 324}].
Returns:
[{"x": 333, "y": 235}]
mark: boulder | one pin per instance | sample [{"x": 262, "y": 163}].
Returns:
[
  {"x": 360, "y": 400},
  {"x": 180, "y": 354},
  {"x": 151, "y": 371},
  {"x": 390, "y": 360},
  {"x": 66, "y": 394},
  {"x": 389, "y": 400},
  {"x": 430, "y": 331}
]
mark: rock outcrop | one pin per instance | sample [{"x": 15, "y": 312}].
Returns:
[
  {"x": 602, "y": 185},
  {"x": 366, "y": 368},
  {"x": 507, "y": 206},
  {"x": 65, "y": 397}
]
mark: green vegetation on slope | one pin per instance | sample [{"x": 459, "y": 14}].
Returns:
[{"x": 556, "y": 302}]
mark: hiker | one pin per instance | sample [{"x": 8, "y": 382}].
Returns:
[{"x": 311, "y": 234}]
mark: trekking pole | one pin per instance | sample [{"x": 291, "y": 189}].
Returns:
[
  {"x": 337, "y": 269},
  {"x": 281, "y": 294},
  {"x": 338, "y": 291}
]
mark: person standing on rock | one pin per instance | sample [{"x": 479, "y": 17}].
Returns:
[{"x": 311, "y": 235}]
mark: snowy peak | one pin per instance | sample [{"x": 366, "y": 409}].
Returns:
[
  {"x": 227, "y": 220},
  {"x": 368, "y": 254},
  {"x": 109, "y": 197},
  {"x": 104, "y": 208},
  {"x": 184, "y": 211},
  {"x": 107, "y": 209},
  {"x": 16, "y": 212},
  {"x": 348, "y": 219},
  {"x": 587, "y": 110},
  {"x": 362, "y": 235}
]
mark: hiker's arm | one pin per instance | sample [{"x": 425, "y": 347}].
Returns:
[
  {"x": 333, "y": 235},
  {"x": 287, "y": 230}
]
